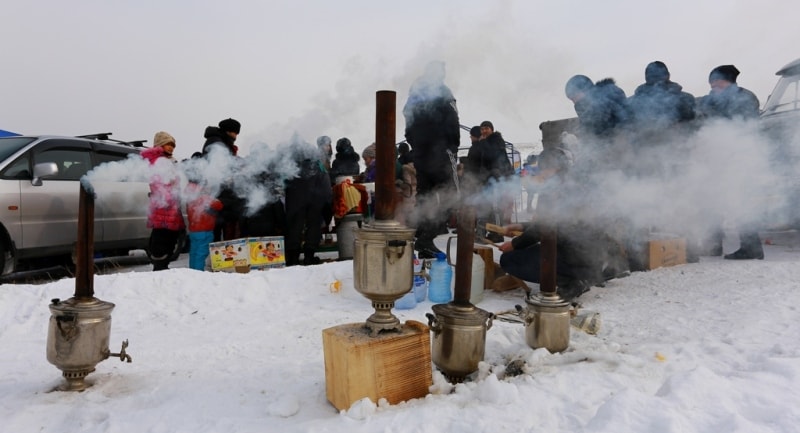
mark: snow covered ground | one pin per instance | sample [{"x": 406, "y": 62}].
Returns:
[{"x": 707, "y": 347}]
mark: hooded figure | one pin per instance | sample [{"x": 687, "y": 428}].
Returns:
[
  {"x": 307, "y": 194},
  {"x": 433, "y": 131},
  {"x": 660, "y": 103},
  {"x": 345, "y": 163},
  {"x": 602, "y": 108},
  {"x": 223, "y": 136}
]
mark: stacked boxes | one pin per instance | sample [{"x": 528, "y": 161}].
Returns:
[{"x": 242, "y": 255}]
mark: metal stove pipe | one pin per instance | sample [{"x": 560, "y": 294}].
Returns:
[
  {"x": 547, "y": 275},
  {"x": 385, "y": 121},
  {"x": 465, "y": 231},
  {"x": 84, "y": 249}
]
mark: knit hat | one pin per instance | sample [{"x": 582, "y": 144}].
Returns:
[
  {"x": 656, "y": 72},
  {"x": 162, "y": 138},
  {"x": 487, "y": 124},
  {"x": 323, "y": 140},
  {"x": 475, "y": 131},
  {"x": 369, "y": 151},
  {"x": 230, "y": 125},
  {"x": 724, "y": 72}
]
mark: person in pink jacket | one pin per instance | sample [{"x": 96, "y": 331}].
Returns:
[{"x": 164, "y": 215}]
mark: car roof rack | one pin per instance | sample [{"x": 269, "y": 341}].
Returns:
[{"x": 106, "y": 136}]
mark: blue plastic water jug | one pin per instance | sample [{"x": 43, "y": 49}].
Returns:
[
  {"x": 407, "y": 301},
  {"x": 420, "y": 280},
  {"x": 441, "y": 274}
]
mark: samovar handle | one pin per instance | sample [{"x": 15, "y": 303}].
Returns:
[
  {"x": 433, "y": 323},
  {"x": 522, "y": 312},
  {"x": 395, "y": 249}
]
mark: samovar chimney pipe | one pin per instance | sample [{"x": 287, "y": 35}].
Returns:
[
  {"x": 385, "y": 121},
  {"x": 84, "y": 248},
  {"x": 465, "y": 230}
]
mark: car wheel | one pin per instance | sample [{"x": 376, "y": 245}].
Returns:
[{"x": 4, "y": 258}]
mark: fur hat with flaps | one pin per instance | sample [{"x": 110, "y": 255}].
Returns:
[
  {"x": 230, "y": 125},
  {"x": 162, "y": 138}
]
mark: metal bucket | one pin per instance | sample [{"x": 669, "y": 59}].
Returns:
[
  {"x": 459, "y": 338},
  {"x": 345, "y": 234}
]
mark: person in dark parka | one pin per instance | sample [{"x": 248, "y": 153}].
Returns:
[
  {"x": 307, "y": 194},
  {"x": 223, "y": 137},
  {"x": 727, "y": 100},
  {"x": 433, "y": 132}
]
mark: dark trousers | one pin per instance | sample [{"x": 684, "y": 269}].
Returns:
[
  {"x": 305, "y": 218},
  {"x": 435, "y": 199},
  {"x": 526, "y": 264},
  {"x": 162, "y": 246}
]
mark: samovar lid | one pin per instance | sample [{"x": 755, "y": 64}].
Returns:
[
  {"x": 467, "y": 314},
  {"x": 81, "y": 306}
]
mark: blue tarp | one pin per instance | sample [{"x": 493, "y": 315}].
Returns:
[{"x": 7, "y": 133}]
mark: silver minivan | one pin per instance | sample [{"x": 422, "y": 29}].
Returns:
[
  {"x": 39, "y": 189},
  {"x": 780, "y": 120}
]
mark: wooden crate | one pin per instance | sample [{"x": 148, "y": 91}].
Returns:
[
  {"x": 666, "y": 251},
  {"x": 394, "y": 365}
]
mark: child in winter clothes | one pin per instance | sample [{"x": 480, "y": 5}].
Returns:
[
  {"x": 202, "y": 209},
  {"x": 164, "y": 213}
]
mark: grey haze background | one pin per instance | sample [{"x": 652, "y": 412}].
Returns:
[{"x": 313, "y": 67}]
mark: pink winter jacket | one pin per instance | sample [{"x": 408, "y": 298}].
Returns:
[{"x": 164, "y": 211}]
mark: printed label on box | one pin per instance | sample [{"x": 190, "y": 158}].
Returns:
[
  {"x": 228, "y": 255},
  {"x": 266, "y": 252}
]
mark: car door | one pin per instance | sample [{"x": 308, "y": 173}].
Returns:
[
  {"x": 49, "y": 212},
  {"x": 121, "y": 207}
]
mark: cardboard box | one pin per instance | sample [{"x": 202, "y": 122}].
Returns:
[
  {"x": 266, "y": 252},
  {"x": 230, "y": 256},
  {"x": 665, "y": 250}
]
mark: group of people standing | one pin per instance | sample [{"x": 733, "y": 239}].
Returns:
[
  {"x": 641, "y": 138},
  {"x": 216, "y": 207}
]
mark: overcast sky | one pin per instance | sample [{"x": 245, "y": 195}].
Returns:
[{"x": 313, "y": 67}]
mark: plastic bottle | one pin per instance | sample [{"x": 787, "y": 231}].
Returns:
[
  {"x": 441, "y": 275},
  {"x": 478, "y": 272},
  {"x": 407, "y": 301},
  {"x": 420, "y": 280}
]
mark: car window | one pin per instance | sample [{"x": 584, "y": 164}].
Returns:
[
  {"x": 72, "y": 162},
  {"x": 18, "y": 170},
  {"x": 10, "y": 145},
  {"x": 788, "y": 97},
  {"x": 103, "y": 155}
]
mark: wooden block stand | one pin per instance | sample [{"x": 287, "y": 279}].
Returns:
[{"x": 394, "y": 365}]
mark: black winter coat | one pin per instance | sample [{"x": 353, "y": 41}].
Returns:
[
  {"x": 432, "y": 127},
  {"x": 661, "y": 105},
  {"x": 603, "y": 109},
  {"x": 730, "y": 103},
  {"x": 487, "y": 159}
]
